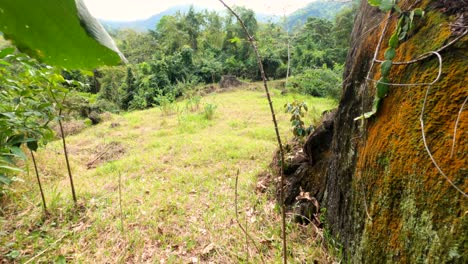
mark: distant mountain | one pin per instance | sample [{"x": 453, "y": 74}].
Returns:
[
  {"x": 147, "y": 24},
  {"x": 319, "y": 9},
  {"x": 150, "y": 23}
]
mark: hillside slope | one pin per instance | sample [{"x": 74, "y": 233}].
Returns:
[{"x": 319, "y": 9}]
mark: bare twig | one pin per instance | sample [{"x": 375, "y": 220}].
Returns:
[
  {"x": 66, "y": 156},
  {"x": 64, "y": 142},
  {"x": 278, "y": 137},
  {"x": 39, "y": 182},
  {"x": 421, "y": 119},
  {"x": 45, "y": 250},
  {"x": 240, "y": 224},
  {"x": 91, "y": 163},
  {"x": 456, "y": 126},
  {"x": 120, "y": 203},
  {"x": 317, "y": 229}
]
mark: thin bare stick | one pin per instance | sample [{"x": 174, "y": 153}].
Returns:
[
  {"x": 421, "y": 119},
  {"x": 456, "y": 126},
  {"x": 239, "y": 223},
  {"x": 45, "y": 250},
  {"x": 247, "y": 239},
  {"x": 120, "y": 203},
  {"x": 39, "y": 182},
  {"x": 66, "y": 156},
  {"x": 278, "y": 137},
  {"x": 89, "y": 164},
  {"x": 64, "y": 143},
  {"x": 317, "y": 229}
]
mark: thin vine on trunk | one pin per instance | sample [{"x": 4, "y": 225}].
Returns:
[{"x": 278, "y": 137}]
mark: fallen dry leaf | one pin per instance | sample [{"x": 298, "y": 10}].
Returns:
[{"x": 208, "y": 249}]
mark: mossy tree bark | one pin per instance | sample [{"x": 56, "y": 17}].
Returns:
[{"x": 386, "y": 201}]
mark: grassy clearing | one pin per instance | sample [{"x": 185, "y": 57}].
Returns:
[{"x": 178, "y": 175}]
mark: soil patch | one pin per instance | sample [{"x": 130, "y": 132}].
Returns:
[{"x": 106, "y": 153}]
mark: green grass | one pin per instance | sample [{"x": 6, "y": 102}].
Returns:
[{"x": 178, "y": 176}]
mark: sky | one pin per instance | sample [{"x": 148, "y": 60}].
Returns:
[{"x": 142, "y": 9}]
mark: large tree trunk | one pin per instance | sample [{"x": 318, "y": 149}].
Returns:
[{"x": 385, "y": 200}]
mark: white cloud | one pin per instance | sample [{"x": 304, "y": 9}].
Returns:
[{"x": 141, "y": 9}]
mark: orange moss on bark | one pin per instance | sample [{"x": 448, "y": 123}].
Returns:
[{"x": 396, "y": 171}]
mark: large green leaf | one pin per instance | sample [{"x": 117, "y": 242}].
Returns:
[
  {"x": 374, "y": 2},
  {"x": 58, "y": 32},
  {"x": 386, "y": 5}
]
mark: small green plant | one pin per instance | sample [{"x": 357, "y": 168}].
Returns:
[
  {"x": 166, "y": 103},
  {"x": 297, "y": 110},
  {"x": 209, "y": 111},
  {"x": 193, "y": 102}
]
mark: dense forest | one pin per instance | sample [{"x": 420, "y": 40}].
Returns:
[{"x": 192, "y": 48}]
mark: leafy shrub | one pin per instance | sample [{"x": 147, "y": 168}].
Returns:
[
  {"x": 320, "y": 82},
  {"x": 297, "y": 110},
  {"x": 166, "y": 104},
  {"x": 209, "y": 111},
  {"x": 193, "y": 102}
]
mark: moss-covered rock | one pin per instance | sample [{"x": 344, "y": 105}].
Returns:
[{"x": 385, "y": 199}]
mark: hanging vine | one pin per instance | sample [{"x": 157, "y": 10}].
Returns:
[{"x": 400, "y": 33}]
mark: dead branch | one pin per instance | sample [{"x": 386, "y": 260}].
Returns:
[
  {"x": 278, "y": 137},
  {"x": 91, "y": 163},
  {"x": 47, "y": 249},
  {"x": 120, "y": 204},
  {"x": 239, "y": 223}
]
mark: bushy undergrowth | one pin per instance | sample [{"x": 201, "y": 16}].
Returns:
[{"x": 319, "y": 82}]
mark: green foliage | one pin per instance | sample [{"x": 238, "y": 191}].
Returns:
[
  {"x": 129, "y": 89},
  {"x": 58, "y": 32},
  {"x": 319, "y": 82},
  {"x": 193, "y": 102},
  {"x": 209, "y": 111},
  {"x": 111, "y": 80},
  {"x": 320, "y": 9},
  {"x": 297, "y": 110},
  {"x": 166, "y": 104},
  {"x": 195, "y": 47},
  {"x": 28, "y": 92}
]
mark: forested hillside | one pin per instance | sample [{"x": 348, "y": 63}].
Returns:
[
  {"x": 318, "y": 9},
  {"x": 199, "y": 47}
]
